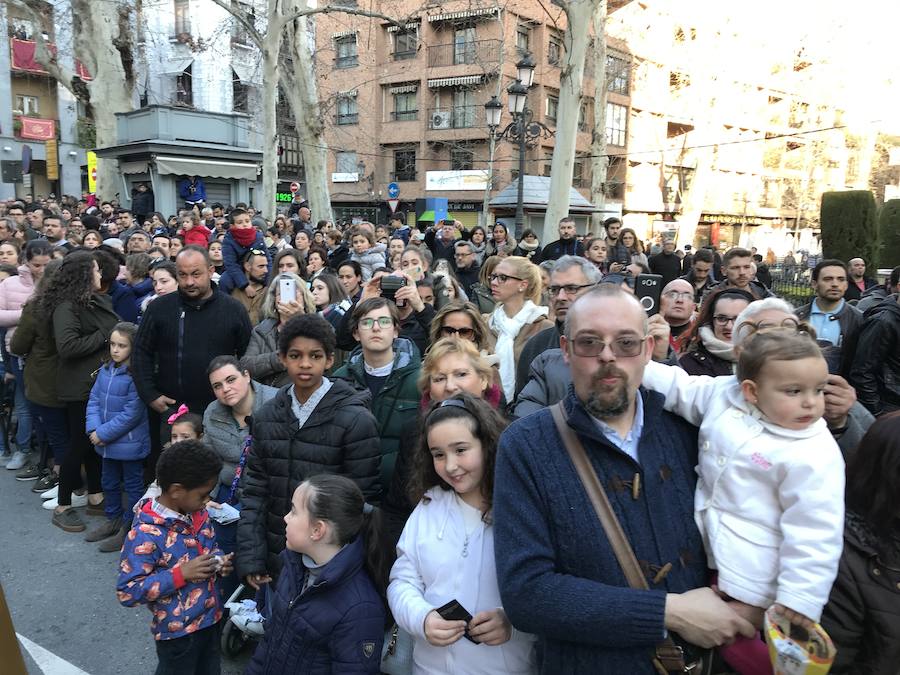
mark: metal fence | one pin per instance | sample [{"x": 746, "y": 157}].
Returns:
[{"x": 792, "y": 284}]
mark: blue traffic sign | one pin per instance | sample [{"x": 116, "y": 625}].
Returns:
[{"x": 393, "y": 190}]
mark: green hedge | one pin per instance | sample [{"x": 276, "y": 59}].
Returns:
[
  {"x": 889, "y": 234},
  {"x": 848, "y": 225}
]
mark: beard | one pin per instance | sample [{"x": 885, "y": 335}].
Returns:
[{"x": 605, "y": 401}]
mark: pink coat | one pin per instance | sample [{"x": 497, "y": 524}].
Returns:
[{"x": 14, "y": 292}]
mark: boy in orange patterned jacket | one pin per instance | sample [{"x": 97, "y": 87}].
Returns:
[{"x": 170, "y": 561}]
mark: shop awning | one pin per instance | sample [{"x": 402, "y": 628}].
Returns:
[
  {"x": 469, "y": 13},
  {"x": 404, "y": 89},
  {"x": 133, "y": 167},
  {"x": 427, "y": 217},
  {"x": 455, "y": 81},
  {"x": 188, "y": 166},
  {"x": 394, "y": 28}
]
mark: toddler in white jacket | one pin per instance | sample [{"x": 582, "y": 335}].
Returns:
[
  {"x": 770, "y": 495},
  {"x": 366, "y": 252}
]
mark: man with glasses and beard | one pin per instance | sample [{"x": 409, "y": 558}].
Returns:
[{"x": 558, "y": 575}]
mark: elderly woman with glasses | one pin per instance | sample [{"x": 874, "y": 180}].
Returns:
[{"x": 708, "y": 349}]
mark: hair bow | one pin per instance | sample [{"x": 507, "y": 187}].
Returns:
[{"x": 182, "y": 410}]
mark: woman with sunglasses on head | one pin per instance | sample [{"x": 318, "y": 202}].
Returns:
[
  {"x": 462, "y": 320},
  {"x": 516, "y": 286},
  {"x": 707, "y": 347}
]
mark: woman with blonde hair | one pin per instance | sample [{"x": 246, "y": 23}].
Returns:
[
  {"x": 516, "y": 286},
  {"x": 261, "y": 358}
]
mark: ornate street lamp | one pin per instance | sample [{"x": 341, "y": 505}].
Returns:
[{"x": 523, "y": 131}]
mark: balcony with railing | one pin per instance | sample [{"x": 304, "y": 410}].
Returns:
[
  {"x": 456, "y": 117},
  {"x": 404, "y": 115},
  {"x": 476, "y": 52}
]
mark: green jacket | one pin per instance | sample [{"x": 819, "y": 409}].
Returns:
[
  {"x": 82, "y": 335},
  {"x": 33, "y": 341},
  {"x": 396, "y": 406}
]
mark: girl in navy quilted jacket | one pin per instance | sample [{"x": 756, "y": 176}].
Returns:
[
  {"x": 326, "y": 614},
  {"x": 116, "y": 423}
]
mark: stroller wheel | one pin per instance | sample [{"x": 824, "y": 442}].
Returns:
[{"x": 233, "y": 640}]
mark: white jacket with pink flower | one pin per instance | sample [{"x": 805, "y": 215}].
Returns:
[{"x": 769, "y": 501}]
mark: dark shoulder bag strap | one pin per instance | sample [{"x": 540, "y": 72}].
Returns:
[{"x": 669, "y": 656}]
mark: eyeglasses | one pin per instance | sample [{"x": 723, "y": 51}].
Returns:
[
  {"x": 622, "y": 347},
  {"x": 679, "y": 295},
  {"x": 749, "y": 328},
  {"x": 503, "y": 278},
  {"x": 462, "y": 255},
  {"x": 464, "y": 333},
  {"x": 723, "y": 320},
  {"x": 382, "y": 321},
  {"x": 570, "y": 289}
]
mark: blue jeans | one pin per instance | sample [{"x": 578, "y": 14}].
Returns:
[
  {"x": 118, "y": 474},
  {"x": 23, "y": 411},
  {"x": 194, "y": 654},
  {"x": 56, "y": 426}
]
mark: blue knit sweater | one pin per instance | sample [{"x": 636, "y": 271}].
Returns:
[{"x": 558, "y": 576}]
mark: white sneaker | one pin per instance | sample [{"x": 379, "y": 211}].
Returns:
[
  {"x": 19, "y": 460},
  {"x": 51, "y": 493},
  {"x": 77, "y": 500}
]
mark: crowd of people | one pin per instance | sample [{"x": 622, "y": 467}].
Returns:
[{"x": 377, "y": 431}]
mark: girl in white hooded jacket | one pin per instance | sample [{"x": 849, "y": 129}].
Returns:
[
  {"x": 446, "y": 551},
  {"x": 769, "y": 502}
]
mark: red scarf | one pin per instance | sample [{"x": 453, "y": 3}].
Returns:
[{"x": 244, "y": 236}]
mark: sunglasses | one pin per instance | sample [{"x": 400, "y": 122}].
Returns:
[
  {"x": 464, "y": 333},
  {"x": 622, "y": 347}
]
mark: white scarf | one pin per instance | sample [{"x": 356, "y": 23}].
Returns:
[
  {"x": 507, "y": 328},
  {"x": 715, "y": 346}
]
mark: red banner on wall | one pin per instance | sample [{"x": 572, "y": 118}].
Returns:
[
  {"x": 37, "y": 129},
  {"x": 23, "y": 59}
]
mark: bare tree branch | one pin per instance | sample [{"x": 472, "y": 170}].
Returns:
[{"x": 244, "y": 20}]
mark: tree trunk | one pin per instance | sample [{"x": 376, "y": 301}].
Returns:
[
  {"x": 103, "y": 43},
  {"x": 270, "y": 72},
  {"x": 303, "y": 95},
  {"x": 599, "y": 160},
  {"x": 579, "y": 14}
]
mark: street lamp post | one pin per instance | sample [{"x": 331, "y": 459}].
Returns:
[{"x": 523, "y": 131}]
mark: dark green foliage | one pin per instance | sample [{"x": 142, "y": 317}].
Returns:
[
  {"x": 848, "y": 225},
  {"x": 889, "y": 234}
]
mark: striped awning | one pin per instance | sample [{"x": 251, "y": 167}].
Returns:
[
  {"x": 455, "y": 81},
  {"x": 342, "y": 34},
  {"x": 451, "y": 16},
  {"x": 405, "y": 88},
  {"x": 412, "y": 25},
  {"x": 350, "y": 93}
]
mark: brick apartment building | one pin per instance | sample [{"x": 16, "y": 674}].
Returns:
[{"x": 407, "y": 104}]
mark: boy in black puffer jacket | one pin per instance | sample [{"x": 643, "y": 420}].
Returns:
[{"x": 312, "y": 426}]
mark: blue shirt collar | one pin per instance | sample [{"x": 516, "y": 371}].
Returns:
[
  {"x": 815, "y": 308},
  {"x": 629, "y": 444}
]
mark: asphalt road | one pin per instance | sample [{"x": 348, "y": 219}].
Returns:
[{"x": 61, "y": 593}]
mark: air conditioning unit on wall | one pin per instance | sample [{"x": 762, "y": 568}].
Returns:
[{"x": 441, "y": 120}]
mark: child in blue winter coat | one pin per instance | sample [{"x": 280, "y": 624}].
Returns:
[
  {"x": 326, "y": 614},
  {"x": 170, "y": 562},
  {"x": 240, "y": 238},
  {"x": 116, "y": 423}
]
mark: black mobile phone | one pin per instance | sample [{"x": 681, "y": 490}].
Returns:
[
  {"x": 453, "y": 611},
  {"x": 390, "y": 284},
  {"x": 648, "y": 288}
]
